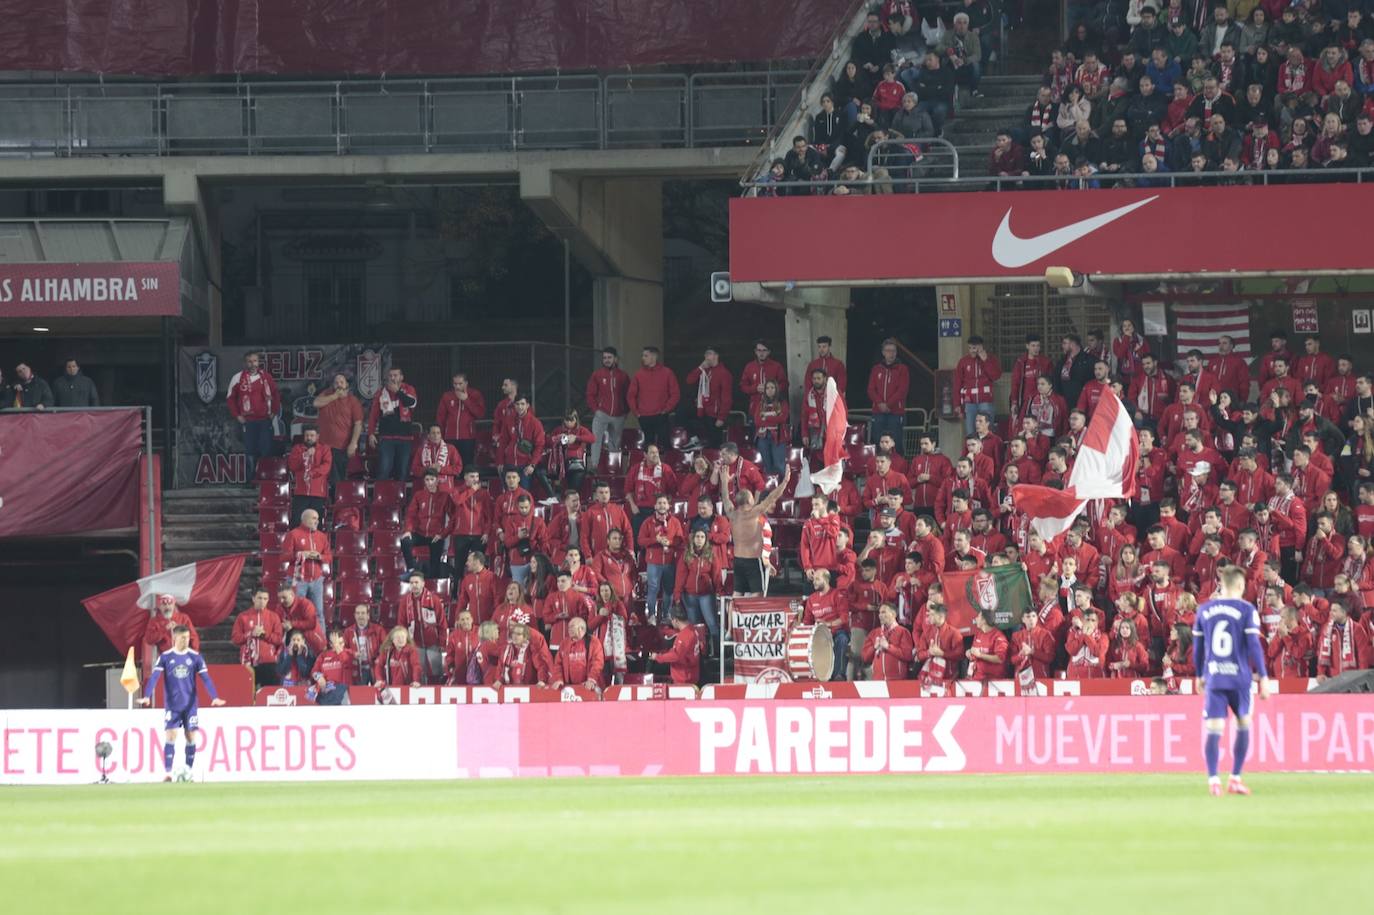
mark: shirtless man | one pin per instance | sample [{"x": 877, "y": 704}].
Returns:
[{"x": 747, "y": 532}]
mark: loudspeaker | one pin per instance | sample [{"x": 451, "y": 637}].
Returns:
[
  {"x": 721, "y": 289},
  {"x": 1352, "y": 681}
]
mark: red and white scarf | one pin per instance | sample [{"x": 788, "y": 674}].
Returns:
[
  {"x": 514, "y": 658},
  {"x": 1347, "y": 656}
]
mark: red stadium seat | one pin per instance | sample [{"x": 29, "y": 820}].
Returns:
[
  {"x": 272, "y": 468},
  {"x": 631, "y": 438},
  {"x": 392, "y": 589},
  {"x": 684, "y": 510},
  {"x": 350, "y": 543},
  {"x": 388, "y": 565},
  {"x": 795, "y": 456},
  {"x": 270, "y": 584},
  {"x": 269, "y": 541},
  {"x": 273, "y": 494},
  {"x": 273, "y": 565},
  {"x": 354, "y": 591},
  {"x": 617, "y": 485},
  {"x": 386, "y": 519},
  {"x": 854, "y": 434},
  {"x": 679, "y": 437},
  {"x": 388, "y": 493},
  {"x": 442, "y": 587},
  {"x": 274, "y": 519},
  {"x": 354, "y": 566},
  {"x": 348, "y": 518},
  {"x": 860, "y": 460},
  {"x": 386, "y": 542},
  {"x": 612, "y": 463},
  {"x": 786, "y": 535},
  {"x": 350, "y": 492},
  {"x": 749, "y": 453},
  {"x": 386, "y": 613}
]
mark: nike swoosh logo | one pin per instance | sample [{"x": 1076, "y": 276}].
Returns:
[{"x": 1010, "y": 250}]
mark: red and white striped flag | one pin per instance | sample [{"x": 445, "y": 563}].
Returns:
[
  {"x": 1104, "y": 468},
  {"x": 203, "y": 590},
  {"x": 1198, "y": 325},
  {"x": 827, "y": 479}
]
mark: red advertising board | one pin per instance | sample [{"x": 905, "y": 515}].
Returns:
[
  {"x": 107, "y": 289},
  {"x": 1140, "y": 232}
]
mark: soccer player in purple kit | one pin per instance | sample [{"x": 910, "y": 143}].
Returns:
[
  {"x": 1228, "y": 655},
  {"x": 181, "y": 666}
]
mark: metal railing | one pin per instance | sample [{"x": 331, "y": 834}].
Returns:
[
  {"x": 935, "y": 184},
  {"x": 890, "y": 164},
  {"x": 478, "y": 114}
]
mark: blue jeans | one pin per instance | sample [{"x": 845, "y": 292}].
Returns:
[
  {"x": 973, "y": 409},
  {"x": 886, "y": 423},
  {"x": 773, "y": 454},
  {"x": 257, "y": 442},
  {"x": 659, "y": 584},
  {"x": 393, "y": 458},
  {"x": 841, "y": 638},
  {"x": 938, "y": 111},
  {"x": 702, "y": 608},
  {"x": 313, "y": 591}
]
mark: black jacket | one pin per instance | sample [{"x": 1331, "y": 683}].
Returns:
[
  {"x": 75, "y": 391},
  {"x": 27, "y": 394},
  {"x": 1080, "y": 373}
]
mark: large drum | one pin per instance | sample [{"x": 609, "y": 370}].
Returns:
[{"x": 810, "y": 652}]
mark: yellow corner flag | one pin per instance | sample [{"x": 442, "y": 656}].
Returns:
[{"x": 129, "y": 679}]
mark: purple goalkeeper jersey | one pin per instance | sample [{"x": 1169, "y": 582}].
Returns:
[
  {"x": 1226, "y": 643},
  {"x": 180, "y": 669}
]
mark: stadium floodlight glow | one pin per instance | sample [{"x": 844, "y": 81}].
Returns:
[
  {"x": 1063, "y": 278},
  {"x": 41, "y": 330}
]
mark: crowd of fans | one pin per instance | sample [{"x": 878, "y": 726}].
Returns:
[
  {"x": 592, "y": 550},
  {"x": 27, "y": 391},
  {"x": 1200, "y": 92}
]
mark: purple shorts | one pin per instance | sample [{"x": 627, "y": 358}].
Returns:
[
  {"x": 1219, "y": 700},
  {"x": 187, "y": 720}
]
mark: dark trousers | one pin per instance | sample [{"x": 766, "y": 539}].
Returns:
[
  {"x": 710, "y": 434},
  {"x": 301, "y": 503},
  {"x": 658, "y": 430},
  {"x": 748, "y": 576},
  {"x": 1288, "y": 564},
  {"x": 257, "y": 443},
  {"x": 436, "y": 546},
  {"x": 265, "y": 675},
  {"x": 393, "y": 458},
  {"x": 339, "y": 469},
  {"x": 462, "y": 546}
]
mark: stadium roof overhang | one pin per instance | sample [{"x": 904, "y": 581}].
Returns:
[
  {"x": 100, "y": 277},
  {"x": 1110, "y": 235}
]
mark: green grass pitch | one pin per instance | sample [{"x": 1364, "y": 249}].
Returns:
[{"x": 1010, "y": 844}]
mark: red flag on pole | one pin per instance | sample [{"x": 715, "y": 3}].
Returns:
[
  {"x": 203, "y": 590},
  {"x": 828, "y": 478},
  {"x": 1104, "y": 468}
]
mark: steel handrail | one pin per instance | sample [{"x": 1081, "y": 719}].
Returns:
[{"x": 999, "y": 183}]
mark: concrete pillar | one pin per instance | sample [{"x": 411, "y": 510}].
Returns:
[
  {"x": 952, "y": 302},
  {"x": 813, "y": 312},
  {"x": 181, "y": 195},
  {"x": 614, "y": 227}
]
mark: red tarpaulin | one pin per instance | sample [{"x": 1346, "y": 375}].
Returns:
[
  {"x": 63, "y": 473},
  {"x": 404, "y": 37}
]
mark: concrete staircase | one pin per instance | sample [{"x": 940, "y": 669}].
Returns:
[
  {"x": 207, "y": 522},
  {"x": 974, "y": 129}
]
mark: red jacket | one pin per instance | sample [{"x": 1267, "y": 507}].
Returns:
[
  {"x": 756, "y": 373},
  {"x": 1042, "y": 651},
  {"x": 772, "y": 417},
  {"x": 595, "y": 524},
  {"x": 560, "y": 607},
  {"x": 876, "y": 485},
  {"x": 951, "y": 642},
  {"x": 392, "y": 419},
  {"x": 1290, "y": 518},
  {"x": 973, "y": 380},
  {"x": 158, "y": 632},
  {"x": 619, "y": 569},
  {"x": 516, "y": 527},
  {"x": 458, "y": 418},
  {"x": 461, "y": 646},
  {"x": 1127, "y": 351},
  {"x": 398, "y": 667},
  {"x": 829, "y": 609},
  {"x": 645, "y": 483},
  {"x": 566, "y": 444},
  {"x": 1087, "y": 655},
  {"x": 864, "y": 598},
  {"x": 253, "y": 397},
  {"x": 888, "y": 384},
  {"x": 310, "y": 469},
  {"x": 1135, "y": 656},
  {"x": 442, "y": 457},
  {"x": 424, "y": 617},
  {"x": 1150, "y": 394},
  {"x": 299, "y": 540},
  {"x": 993, "y": 642},
  {"x": 519, "y": 428},
  {"x": 655, "y": 553},
  {"x": 715, "y": 402},
  {"x": 577, "y": 661},
  {"x": 364, "y": 644},
  {"x": 894, "y": 661},
  {"x": 430, "y": 514},
  {"x": 302, "y": 615},
  {"x": 472, "y": 511},
  {"x": 653, "y": 391},
  {"x": 1232, "y": 374},
  {"x": 257, "y": 649},
  {"x": 478, "y": 594},
  {"x": 938, "y": 467},
  {"x": 696, "y": 576},
  {"x": 684, "y": 658},
  {"x": 832, "y": 367},
  {"x": 818, "y": 546},
  {"x": 1288, "y": 654},
  {"x": 608, "y": 390}
]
